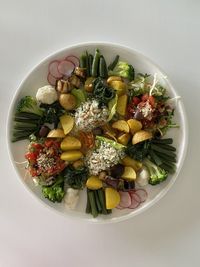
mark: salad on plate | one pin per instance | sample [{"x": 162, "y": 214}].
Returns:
[{"x": 98, "y": 128}]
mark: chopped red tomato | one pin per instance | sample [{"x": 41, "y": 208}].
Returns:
[
  {"x": 136, "y": 100},
  {"x": 31, "y": 156}
]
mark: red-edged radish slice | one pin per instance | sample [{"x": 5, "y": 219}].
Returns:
[
  {"x": 125, "y": 199},
  {"x": 135, "y": 195},
  {"x": 142, "y": 194},
  {"x": 134, "y": 202},
  {"x": 51, "y": 79},
  {"x": 74, "y": 60},
  {"x": 53, "y": 69},
  {"x": 66, "y": 67},
  {"x": 119, "y": 207}
]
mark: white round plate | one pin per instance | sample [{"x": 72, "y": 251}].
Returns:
[{"x": 37, "y": 78}]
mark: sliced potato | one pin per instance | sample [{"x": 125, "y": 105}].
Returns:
[
  {"x": 134, "y": 125},
  {"x": 141, "y": 136},
  {"x": 68, "y": 101},
  {"x": 70, "y": 143},
  {"x": 119, "y": 86},
  {"x": 94, "y": 183},
  {"x": 56, "y": 133},
  {"x": 124, "y": 138},
  {"x": 71, "y": 155},
  {"x": 121, "y": 125},
  {"x": 67, "y": 123},
  {"x": 129, "y": 173},
  {"x": 128, "y": 161},
  {"x": 113, "y": 78},
  {"x": 112, "y": 198},
  {"x": 122, "y": 104}
]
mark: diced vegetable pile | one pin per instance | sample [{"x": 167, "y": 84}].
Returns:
[{"x": 99, "y": 129}]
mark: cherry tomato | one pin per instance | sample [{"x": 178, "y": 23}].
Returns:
[
  {"x": 152, "y": 100},
  {"x": 145, "y": 97},
  {"x": 31, "y": 156},
  {"x": 136, "y": 100}
]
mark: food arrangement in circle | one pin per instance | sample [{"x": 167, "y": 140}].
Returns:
[{"x": 97, "y": 127}]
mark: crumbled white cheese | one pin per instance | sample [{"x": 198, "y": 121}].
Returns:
[
  {"x": 146, "y": 110},
  {"x": 71, "y": 198},
  {"x": 104, "y": 157},
  {"x": 89, "y": 116},
  {"x": 46, "y": 95}
]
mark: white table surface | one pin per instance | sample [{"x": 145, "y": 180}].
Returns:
[{"x": 168, "y": 234}]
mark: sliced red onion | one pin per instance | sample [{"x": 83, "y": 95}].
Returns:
[
  {"x": 53, "y": 69},
  {"x": 125, "y": 199},
  {"x": 66, "y": 67},
  {"x": 134, "y": 202},
  {"x": 51, "y": 79},
  {"x": 74, "y": 60},
  {"x": 112, "y": 182},
  {"x": 142, "y": 194}
]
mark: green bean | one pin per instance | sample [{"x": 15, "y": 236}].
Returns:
[
  {"x": 93, "y": 204},
  {"x": 162, "y": 150},
  {"x": 103, "y": 71},
  {"x": 83, "y": 61},
  {"x": 90, "y": 63},
  {"x": 170, "y": 169},
  {"x": 88, "y": 206},
  {"x": 168, "y": 147},
  {"x": 87, "y": 64},
  {"x": 102, "y": 200},
  {"x": 114, "y": 63},
  {"x": 167, "y": 141},
  {"x": 155, "y": 158},
  {"x": 97, "y": 201},
  {"x": 165, "y": 158},
  {"x": 95, "y": 63},
  {"x": 27, "y": 115}
]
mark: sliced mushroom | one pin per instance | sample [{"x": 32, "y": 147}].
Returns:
[
  {"x": 63, "y": 86},
  {"x": 74, "y": 81},
  {"x": 80, "y": 72}
]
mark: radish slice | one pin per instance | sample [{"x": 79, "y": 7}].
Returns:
[
  {"x": 125, "y": 199},
  {"x": 119, "y": 207},
  {"x": 135, "y": 195},
  {"x": 53, "y": 69},
  {"x": 73, "y": 59},
  {"x": 51, "y": 79},
  {"x": 142, "y": 194},
  {"x": 134, "y": 202},
  {"x": 66, "y": 67}
]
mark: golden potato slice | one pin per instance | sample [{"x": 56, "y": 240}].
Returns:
[
  {"x": 122, "y": 104},
  {"x": 94, "y": 183},
  {"x": 134, "y": 125},
  {"x": 68, "y": 101},
  {"x": 124, "y": 139},
  {"x": 113, "y": 78},
  {"x": 119, "y": 86},
  {"x": 129, "y": 174},
  {"x": 121, "y": 125},
  {"x": 71, "y": 155},
  {"x": 112, "y": 198},
  {"x": 140, "y": 136},
  {"x": 128, "y": 161},
  {"x": 56, "y": 133},
  {"x": 70, "y": 143},
  {"x": 67, "y": 123}
]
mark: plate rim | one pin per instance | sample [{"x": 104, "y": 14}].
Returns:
[{"x": 77, "y": 215}]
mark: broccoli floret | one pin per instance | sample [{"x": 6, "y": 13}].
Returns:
[
  {"x": 157, "y": 174},
  {"x": 29, "y": 104},
  {"x": 55, "y": 192},
  {"x": 124, "y": 70}
]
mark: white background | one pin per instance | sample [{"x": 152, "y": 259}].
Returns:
[{"x": 168, "y": 234}]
